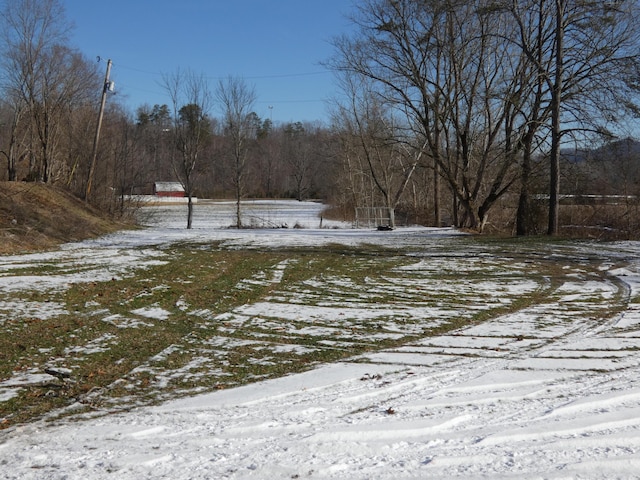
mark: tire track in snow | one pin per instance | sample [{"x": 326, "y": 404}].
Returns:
[
  {"x": 472, "y": 404},
  {"x": 475, "y": 380}
]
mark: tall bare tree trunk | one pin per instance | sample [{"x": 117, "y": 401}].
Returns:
[
  {"x": 237, "y": 100},
  {"x": 556, "y": 99}
]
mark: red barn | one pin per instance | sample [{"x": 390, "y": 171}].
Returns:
[{"x": 168, "y": 189}]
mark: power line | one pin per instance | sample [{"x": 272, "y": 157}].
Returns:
[
  {"x": 250, "y": 77},
  {"x": 290, "y": 101},
  {"x": 161, "y": 93}
]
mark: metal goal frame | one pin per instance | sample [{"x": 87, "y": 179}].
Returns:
[{"x": 373, "y": 217}]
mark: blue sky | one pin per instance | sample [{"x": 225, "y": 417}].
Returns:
[{"x": 274, "y": 45}]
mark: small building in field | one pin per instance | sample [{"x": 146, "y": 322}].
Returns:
[{"x": 168, "y": 189}]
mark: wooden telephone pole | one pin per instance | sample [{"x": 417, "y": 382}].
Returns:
[{"x": 105, "y": 89}]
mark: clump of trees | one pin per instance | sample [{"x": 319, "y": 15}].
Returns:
[
  {"x": 478, "y": 91},
  {"x": 46, "y": 89},
  {"x": 449, "y": 113}
]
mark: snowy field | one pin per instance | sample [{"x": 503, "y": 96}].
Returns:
[{"x": 550, "y": 390}]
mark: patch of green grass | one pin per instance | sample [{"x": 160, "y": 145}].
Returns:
[{"x": 120, "y": 358}]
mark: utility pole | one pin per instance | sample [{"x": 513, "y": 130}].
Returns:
[{"x": 106, "y": 87}]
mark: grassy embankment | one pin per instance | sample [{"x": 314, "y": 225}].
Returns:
[{"x": 35, "y": 216}]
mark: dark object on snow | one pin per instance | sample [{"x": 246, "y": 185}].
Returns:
[
  {"x": 385, "y": 228},
  {"x": 61, "y": 374}
]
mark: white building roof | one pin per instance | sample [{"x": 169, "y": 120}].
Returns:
[{"x": 168, "y": 187}]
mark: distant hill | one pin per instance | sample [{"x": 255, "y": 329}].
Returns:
[
  {"x": 625, "y": 147},
  {"x": 612, "y": 169},
  {"x": 35, "y": 216},
  {"x": 609, "y": 151}
]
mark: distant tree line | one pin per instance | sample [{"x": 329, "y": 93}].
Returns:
[
  {"x": 238, "y": 155},
  {"x": 449, "y": 112}
]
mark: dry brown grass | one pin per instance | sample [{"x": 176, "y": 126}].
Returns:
[{"x": 35, "y": 216}]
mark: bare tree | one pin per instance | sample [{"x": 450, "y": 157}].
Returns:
[
  {"x": 191, "y": 101},
  {"x": 13, "y": 113},
  {"x": 154, "y": 125},
  {"x": 126, "y": 171},
  {"x": 584, "y": 55},
  {"x": 533, "y": 36},
  {"x": 437, "y": 65},
  {"x": 43, "y": 77},
  {"x": 237, "y": 100},
  {"x": 297, "y": 154},
  {"x": 268, "y": 158},
  {"x": 388, "y": 157}
]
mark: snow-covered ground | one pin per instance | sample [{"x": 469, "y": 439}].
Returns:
[{"x": 549, "y": 391}]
